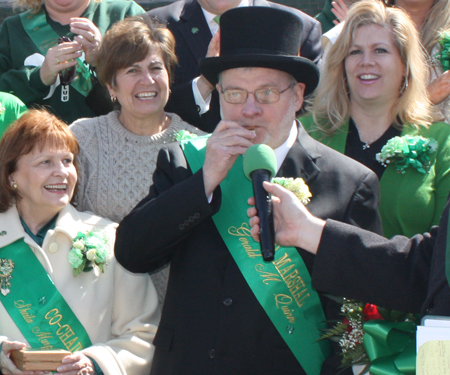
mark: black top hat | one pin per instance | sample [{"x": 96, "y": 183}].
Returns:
[{"x": 261, "y": 37}]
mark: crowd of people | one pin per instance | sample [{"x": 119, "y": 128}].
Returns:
[{"x": 125, "y": 236}]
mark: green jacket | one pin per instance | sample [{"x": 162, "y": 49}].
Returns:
[
  {"x": 24, "y": 81},
  {"x": 412, "y": 202},
  {"x": 11, "y": 108}
]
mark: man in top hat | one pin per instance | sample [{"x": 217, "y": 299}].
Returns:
[
  {"x": 193, "y": 23},
  {"x": 227, "y": 311}
]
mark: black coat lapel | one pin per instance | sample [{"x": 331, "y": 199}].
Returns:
[
  {"x": 301, "y": 158},
  {"x": 194, "y": 29}
]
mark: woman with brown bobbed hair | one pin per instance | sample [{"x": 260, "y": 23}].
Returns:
[
  {"x": 118, "y": 151},
  {"x": 61, "y": 287},
  {"x": 373, "y": 89}
]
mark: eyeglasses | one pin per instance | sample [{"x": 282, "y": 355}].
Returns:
[{"x": 268, "y": 95}]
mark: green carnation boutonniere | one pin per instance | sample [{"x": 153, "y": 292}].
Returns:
[
  {"x": 88, "y": 250},
  {"x": 297, "y": 186},
  {"x": 184, "y": 135},
  {"x": 408, "y": 151}
]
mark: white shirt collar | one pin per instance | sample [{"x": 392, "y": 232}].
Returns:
[
  {"x": 209, "y": 17},
  {"x": 282, "y": 151}
]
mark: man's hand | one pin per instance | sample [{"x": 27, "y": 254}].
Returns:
[
  {"x": 340, "y": 10},
  {"x": 204, "y": 86},
  {"x": 294, "y": 225},
  {"x": 228, "y": 141}
]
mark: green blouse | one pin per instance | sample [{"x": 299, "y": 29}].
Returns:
[
  {"x": 11, "y": 108},
  {"x": 40, "y": 235},
  {"x": 412, "y": 202}
]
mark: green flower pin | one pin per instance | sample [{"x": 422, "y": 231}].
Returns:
[
  {"x": 408, "y": 151},
  {"x": 88, "y": 250}
]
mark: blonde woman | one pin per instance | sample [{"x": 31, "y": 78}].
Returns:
[
  {"x": 431, "y": 17},
  {"x": 372, "y": 90}
]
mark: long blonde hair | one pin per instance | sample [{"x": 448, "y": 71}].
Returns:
[
  {"x": 436, "y": 21},
  {"x": 331, "y": 101}
]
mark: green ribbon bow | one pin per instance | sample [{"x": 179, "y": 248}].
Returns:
[
  {"x": 408, "y": 151},
  {"x": 391, "y": 347}
]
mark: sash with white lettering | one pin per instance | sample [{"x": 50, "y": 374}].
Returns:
[
  {"x": 282, "y": 287},
  {"x": 36, "y": 306},
  {"x": 44, "y": 37}
]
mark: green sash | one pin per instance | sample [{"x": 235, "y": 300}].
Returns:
[
  {"x": 282, "y": 287},
  {"x": 36, "y": 306},
  {"x": 44, "y": 37}
]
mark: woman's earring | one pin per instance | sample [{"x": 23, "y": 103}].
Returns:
[
  {"x": 113, "y": 98},
  {"x": 15, "y": 186},
  {"x": 405, "y": 85}
]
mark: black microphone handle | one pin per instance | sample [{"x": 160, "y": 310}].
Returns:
[{"x": 263, "y": 205}]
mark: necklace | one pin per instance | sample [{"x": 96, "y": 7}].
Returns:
[{"x": 367, "y": 144}]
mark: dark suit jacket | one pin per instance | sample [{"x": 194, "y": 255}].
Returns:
[
  {"x": 183, "y": 19},
  {"x": 400, "y": 273},
  {"x": 211, "y": 320}
]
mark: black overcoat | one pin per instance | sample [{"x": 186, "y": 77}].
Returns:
[{"x": 211, "y": 321}]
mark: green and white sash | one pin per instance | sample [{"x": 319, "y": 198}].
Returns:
[
  {"x": 283, "y": 286},
  {"x": 36, "y": 306},
  {"x": 44, "y": 37}
]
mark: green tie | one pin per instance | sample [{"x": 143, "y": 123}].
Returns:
[{"x": 216, "y": 19}]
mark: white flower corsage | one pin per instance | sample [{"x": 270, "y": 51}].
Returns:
[
  {"x": 88, "y": 250},
  {"x": 297, "y": 186}
]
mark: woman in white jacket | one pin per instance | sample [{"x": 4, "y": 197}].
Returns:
[{"x": 60, "y": 284}]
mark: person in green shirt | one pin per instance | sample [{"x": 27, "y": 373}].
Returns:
[
  {"x": 36, "y": 69},
  {"x": 373, "y": 89},
  {"x": 11, "y": 108}
]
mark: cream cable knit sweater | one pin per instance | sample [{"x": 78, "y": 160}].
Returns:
[{"x": 116, "y": 169}]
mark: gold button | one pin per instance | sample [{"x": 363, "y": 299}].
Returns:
[{"x": 53, "y": 248}]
